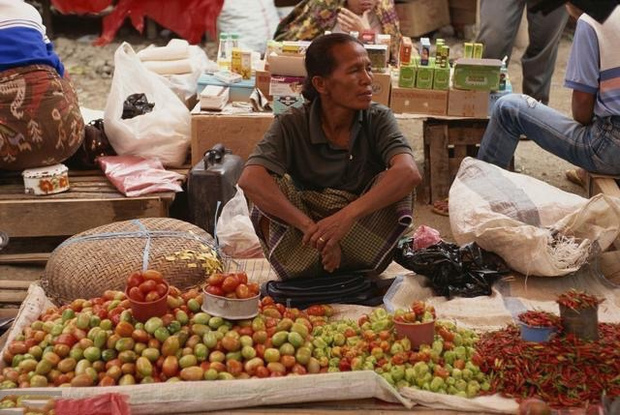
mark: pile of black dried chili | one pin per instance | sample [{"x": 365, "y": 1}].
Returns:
[
  {"x": 564, "y": 372},
  {"x": 539, "y": 319},
  {"x": 576, "y": 299}
]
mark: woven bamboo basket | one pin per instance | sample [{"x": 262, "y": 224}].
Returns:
[{"x": 100, "y": 259}]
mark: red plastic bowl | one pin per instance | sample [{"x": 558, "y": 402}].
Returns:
[
  {"x": 417, "y": 333},
  {"x": 142, "y": 310}
]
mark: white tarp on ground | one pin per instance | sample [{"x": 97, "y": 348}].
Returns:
[{"x": 510, "y": 297}]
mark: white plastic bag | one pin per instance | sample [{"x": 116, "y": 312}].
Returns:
[
  {"x": 235, "y": 232},
  {"x": 164, "y": 133},
  {"x": 536, "y": 228}
]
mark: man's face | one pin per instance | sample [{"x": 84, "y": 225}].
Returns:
[
  {"x": 350, "y": 84},
  {"x": 361, "y": 6}
]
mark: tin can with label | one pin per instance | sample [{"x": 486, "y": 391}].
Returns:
[{"x": 46, "y": 180}]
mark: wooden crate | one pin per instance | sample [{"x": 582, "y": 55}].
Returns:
[
  {"x": 240, "y": 133},
  {"x": 597, "y": 183},
  {"x": 36, "y": 224},
  {"x": 446, "y": 143}
]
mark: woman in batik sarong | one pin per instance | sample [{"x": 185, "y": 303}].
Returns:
[
  {"x": 40, "y": 120},
  {"x": 311, "y": 18},
  {"x": 331, "y": 183}
]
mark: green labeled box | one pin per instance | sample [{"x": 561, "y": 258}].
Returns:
[
  {"x": 476, "y": 74},
  {"x": 441, "y": 78},
  {"x": 424, "y": 77},
  {"x": 406, "y": 76}
]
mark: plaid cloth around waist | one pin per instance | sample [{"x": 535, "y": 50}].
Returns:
[{"x": 367, "y": 247}]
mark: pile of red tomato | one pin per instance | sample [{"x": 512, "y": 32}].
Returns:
[
  {"x": 231, "y": 285},
  {"x": 146, "y": 286}
]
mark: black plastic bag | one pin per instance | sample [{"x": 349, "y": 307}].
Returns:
[
  {"x": 95, "y": 144},
  {"x": 136, "y": 104},
  {"x": 467, "y": 271}
]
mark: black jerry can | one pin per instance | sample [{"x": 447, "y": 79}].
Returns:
[{"x": 212, "y": 181}]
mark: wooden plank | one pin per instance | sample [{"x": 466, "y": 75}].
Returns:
[
  {"x": 10, "y": 296},
  {"x": 51, "y": 217},
  {"x": 14, "y": 284},
  {"x": 439, "y": 165},
  {"x": 6, "y": 312}
]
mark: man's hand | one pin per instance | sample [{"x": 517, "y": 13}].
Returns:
[
  {"x": 349, "y": 21},
  {"x": 328, "y": 232}
]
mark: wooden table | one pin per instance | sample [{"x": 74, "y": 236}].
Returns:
[
  {"x": 37, "y": 224},
  {"x": 447, "y": 140}
]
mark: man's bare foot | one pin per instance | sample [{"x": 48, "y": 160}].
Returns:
[{"x": 331, "y": 259}]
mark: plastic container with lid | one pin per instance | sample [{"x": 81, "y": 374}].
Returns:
[{"x": 46, "y": 180}]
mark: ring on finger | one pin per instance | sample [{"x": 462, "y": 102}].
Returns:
[{"x": 321, "y": 239}]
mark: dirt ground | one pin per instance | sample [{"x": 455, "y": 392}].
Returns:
[{"x": 91, "y": 69}]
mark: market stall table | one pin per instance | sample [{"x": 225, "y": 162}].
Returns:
[
  {"x": 447, "y": 141},
  {"x": 37, "y": 224}
]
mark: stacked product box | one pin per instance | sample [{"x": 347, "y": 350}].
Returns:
[
  {"x": 423, "y": 80},
  {"x": 286, "y": 75}
]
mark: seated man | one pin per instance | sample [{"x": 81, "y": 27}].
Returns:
[
  {"x": 331, "y": 182},
  {"x": 40, "y": 119},
  {"x": 311, "y": 18},
  {"x": 591, "y": 139}
]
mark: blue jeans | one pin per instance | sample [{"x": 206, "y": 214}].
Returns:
[{"x": 594, "y": 147}]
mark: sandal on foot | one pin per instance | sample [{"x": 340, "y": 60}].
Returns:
[
  {"x": 573, "y": 176},
  {"x": 440, "y": 207}
]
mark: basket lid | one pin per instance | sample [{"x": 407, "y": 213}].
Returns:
[{"x": 45, "y": 171}]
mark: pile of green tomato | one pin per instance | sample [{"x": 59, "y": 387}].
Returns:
[{"x": 97, "y": 342}]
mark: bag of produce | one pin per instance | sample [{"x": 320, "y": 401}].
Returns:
[{"x": 100, "y": 259}]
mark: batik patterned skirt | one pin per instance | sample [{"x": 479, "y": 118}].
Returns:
[{"x": 40, "y": 119}]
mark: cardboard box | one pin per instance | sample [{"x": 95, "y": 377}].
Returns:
[
  {"x": 468, "y": 103},
  {"x": 239, "y": 91},
  {"x": 418, "y": 101},
  {"x": 285, "y": 85},
  {"x": 263, "y": 78},
  {"x": 290, "y": 65},
  {"x": 476, "y": 74},
  {"x": 282, "y": 103},
  {"x": 418, "y": 17},
  {"x": 240, "y": 133},
  {"x": 381, "y": 85}
]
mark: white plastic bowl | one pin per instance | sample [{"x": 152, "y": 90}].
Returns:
[{"x": 230, "y": 308}]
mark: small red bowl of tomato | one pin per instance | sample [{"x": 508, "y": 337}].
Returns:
[
  {"x": 230, "y": 296},
  {"x": 147, "y": 292}
]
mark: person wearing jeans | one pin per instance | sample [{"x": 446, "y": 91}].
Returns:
[
  {"x": 499, "y": 24},
  {"x": 591, "y": 138}
]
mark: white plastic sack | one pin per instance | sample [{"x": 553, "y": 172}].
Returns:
[
  {"x": 162, "y": 134},
  {"x": 255, "y": 21},
  {"x": 536, "y": 228},
  {"x": 235, "y": 232}
]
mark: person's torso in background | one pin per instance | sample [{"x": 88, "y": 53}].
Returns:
[{"x": 22, "y": 37}]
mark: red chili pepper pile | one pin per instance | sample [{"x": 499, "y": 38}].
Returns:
[
  {"x": 576, "y": 299},
  {"x": 564, "y": 372},
  {"x": 539, "y": 319}
]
